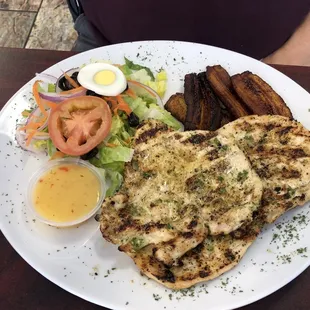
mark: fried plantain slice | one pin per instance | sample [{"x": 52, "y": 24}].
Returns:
[
  {"x": 192, "y": 95},
  {"x": 259, "y": 96},
  {"x": 223, "y": 76},
  {"x": 177, "y": 107},
  {"x": 210, "y": 118},
  {"x": 221, "y": 86}
]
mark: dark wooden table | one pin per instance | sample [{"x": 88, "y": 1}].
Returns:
[{"x": 21, "y": 287}]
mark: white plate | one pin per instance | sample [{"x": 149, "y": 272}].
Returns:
[{"x": 80, "y": 261}]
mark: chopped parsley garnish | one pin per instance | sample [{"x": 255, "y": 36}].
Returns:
[
  {"x": 169, "y": 226},
  {"x": 224, "y": 283},
  {"x": 135, "y": 165},
  {"x": 220, "y": 178},
  {"x": 249, "y": 139},
  {"x": 222, "y": 190},
  {"x": 137, "y": 243},
  {"x": 302, "y": 250},
  {"x": 210, "y": 247},
  {"x": 147, "y": 175},
  {"x": 263, "y": 139},
  {"x": 216, "y": 142},
  {"x": 224, "y": 147},
  {"x": 275, "y": 236},
  {"x": 290, "y": 193},
  {"x": 156, "y": 297},
  {"x": 242, "y": 176}
]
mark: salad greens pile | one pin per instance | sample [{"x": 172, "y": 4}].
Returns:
[
  {"x": 145, "y": 76},
  {"x": 117, "y": 149}
]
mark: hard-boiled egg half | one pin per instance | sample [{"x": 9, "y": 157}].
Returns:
[{"x": 103, "y": 79}]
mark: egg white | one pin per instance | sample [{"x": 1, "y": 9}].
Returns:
[{"x": 87, "y": 74}]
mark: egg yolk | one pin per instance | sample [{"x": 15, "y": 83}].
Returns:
[{"x": 105, "y": 77}]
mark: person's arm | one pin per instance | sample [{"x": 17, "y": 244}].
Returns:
[{"x": 296, "y": 51}]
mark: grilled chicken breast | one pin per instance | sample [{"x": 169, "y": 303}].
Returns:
[
  {"x": 178, "y": 188},
  {"x": 211, "y": 258},
  {"x": 279, "y": 151},
  {"x": 184, "y": 213}
]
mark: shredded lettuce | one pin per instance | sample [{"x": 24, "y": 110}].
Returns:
[
  {"x": 156, "y": 112},
  {"x": 51, "y": 149},
  {"x": 117, "y": 125},
  {"x": 109, "y": 155},
  {"x": 138, "y": 106},
  {"x": 40, "y": 144},
  {"x": 47, "y": 87},
  {"x": 144, "y": 75},
  {"x": 141, "y": 76},
  {"x": 120, "y": 131},
  {"x": 111, "y": 160},
  {"x": 126, "y": 70},
  {"x": 26, "y": 113},
  {"x": 113, "y": 175},
  {"x": 51, "y": 88},
  {"x": 120, "y": 134},
  {"x": 146, "y": 111},
  {"x": 131, "y": 65},
  {"x": 161, "y": 75},
  {"x": 159, "y": 86},
  {"x": 114, "y": 180},
  {"x": 160, "y": 83}
]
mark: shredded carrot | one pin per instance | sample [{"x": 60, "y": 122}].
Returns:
[
  {"x": 118, "y": 103},
  {"x": 111, "y": 145},
  {"x": 141, "y": 85},
  {"x": 31, "y": 126},
  {"x": 122, "y": 105},
  {"x": 51, "y": 105},
  {"x": 72, "y": 91},
  {"x": 131, "y": 93},
  {"x": 38, "y": 119},
  {"x": 40, "y": 133},
  {"x": 37, "y": 97},
  {"x": 71, "y": 81},
  {"x": 30, "y": 136},
  {"x": 109, "y": 98},
  {"x": 114, "y": 105},
  {"x": 57, "y": 155}
]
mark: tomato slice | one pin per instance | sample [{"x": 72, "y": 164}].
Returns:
[{"x": 77, "y": 125}]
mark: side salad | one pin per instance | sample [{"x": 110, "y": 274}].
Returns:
[{"x": 68, "y": 119}]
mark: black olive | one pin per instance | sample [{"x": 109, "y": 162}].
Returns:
[
  {"x": 74, "y": 77},
  {"x": 92, "y": 93},
  {"x": 133, "y": 120},
  {"x": 64, "y": 84},
  {"x": 90, "y": 154}
]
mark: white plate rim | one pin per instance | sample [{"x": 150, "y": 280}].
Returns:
[{"x": 56, "y": 281}]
